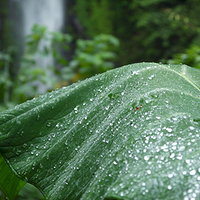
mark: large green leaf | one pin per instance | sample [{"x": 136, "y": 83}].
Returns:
[
  {"x": 130, "y": 133},
  {"x": 9, "y": 183}
]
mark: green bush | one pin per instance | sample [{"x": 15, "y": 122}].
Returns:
[
  {"x": 7, "y": 81},
  {"x": 91, "y": 57},
  {"x": 149, "y": 30},
  {"x": 191, "y": 57},
  {"x": 41, "y": 45}
]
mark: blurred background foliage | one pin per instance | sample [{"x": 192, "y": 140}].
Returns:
[
  {"x": 99, "y": 35},
  {"x": 190, "y": 57},
  {"x": 149, "y": 30},
  {"x": 92, "y": 56},
  {"x": 109, "y": 34}
]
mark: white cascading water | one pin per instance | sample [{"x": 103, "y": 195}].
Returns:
[{"x": 45, "y": 12}]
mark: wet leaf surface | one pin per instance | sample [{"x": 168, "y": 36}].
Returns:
[{"x": 130, "y": 133}]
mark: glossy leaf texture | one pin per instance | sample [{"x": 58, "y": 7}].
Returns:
[{"x": 130, "y": 133}]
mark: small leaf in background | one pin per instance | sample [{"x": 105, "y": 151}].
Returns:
[{"x": 130, "y": 133}]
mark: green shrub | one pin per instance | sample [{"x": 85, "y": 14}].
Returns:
[
  {"x": 41, "y": 45},
  {"x": 91, "y": 57},
  {"x": 191, "y": 57},
  {"x": 42, "y": 53}
]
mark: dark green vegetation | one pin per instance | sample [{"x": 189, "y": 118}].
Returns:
[
  {"x": 129, "y": 133},
  {"x": 91, "y": 57},
  {"x": 149, "y": 30},
  {"x": 190, "y": 57}
]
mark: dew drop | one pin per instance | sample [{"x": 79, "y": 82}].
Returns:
[
  {"x": 48, "y": 124},
  {"x": 184, "y": 172},
  {"x": 148, "y": 171},
  {"x": 175, "y": 119},
  {"x": 193, "y": 172},
  {"x": 169, "y": 187},
  {"x": 24, "y": 145},
  {"x": 169, "y": 130},
  {"x": 115, "y": 163},
  {"x": 38, "y": 117},
  {"x": 146, "y": 158},
  {"x": 191, "y": 128},
  {"x": 107, "y": 107},
  {"x": 172, "y": 155},
  {"x": 187, "y": 161},
  {"x": 170, "y": 175},
  {"x": 151, "y": 77},
  {"x": 76, "y": 108},
  {"x": 182, "y": 148}
]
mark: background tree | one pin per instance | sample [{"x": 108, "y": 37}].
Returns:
[{"x": 149, "y": 30}]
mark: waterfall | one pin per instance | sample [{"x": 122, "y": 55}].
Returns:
[
  {"x": 46, "y": 12},
  {"x": 49, "y": 13}
]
